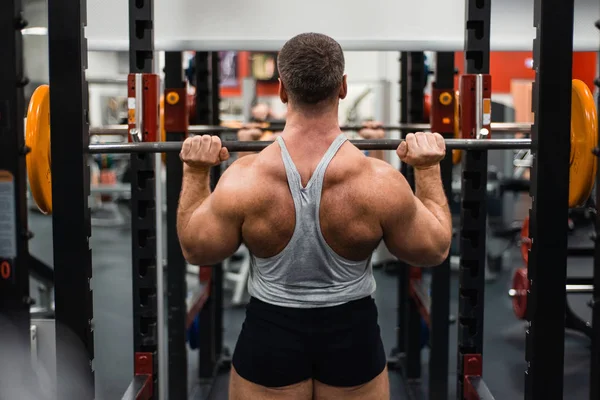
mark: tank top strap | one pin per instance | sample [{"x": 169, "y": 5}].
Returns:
[
  {"x": 293, "y": 177},
  {"x": 319, "y": 173}
]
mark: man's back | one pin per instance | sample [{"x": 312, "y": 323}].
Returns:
[{"x": 348, "y": 213}]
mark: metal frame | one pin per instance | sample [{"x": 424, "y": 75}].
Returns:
[
  {"x": 222, "y": 352},
  {"x": 440, "y": 276},
  {"x": 14, "y": 252},
  {"x": 207, "y": 357},
  {"x": 408, "y": 348},
  {"x": 552, "y": 50},
  {"x": 396, "y": 356},
  {"x": 473, "y": 206},
  {"x": 176, "y": 271},
  {"x": 595, "y": 303},
  {"x": 143, "y": 213},
  {"x": 71, "y": 223},
  {"x": 211, "y": 316},
  {"x": 416, "y": 113},
  {"x": 409, "y": 319}
]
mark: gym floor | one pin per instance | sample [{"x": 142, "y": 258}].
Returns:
[{"x": 504, "y": 346}]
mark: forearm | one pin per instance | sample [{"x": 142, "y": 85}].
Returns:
[
  {"x": 429, "y": 189},
  {"x": 195, "y": 188}
]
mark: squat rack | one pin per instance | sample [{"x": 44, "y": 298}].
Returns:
[
  {"x": 552, "y": 52},
  {"x": 71, "y": 225},
  {"x": 552, "y": 55}
]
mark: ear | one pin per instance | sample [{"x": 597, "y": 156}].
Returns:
[
  {"x": 344, "y": 88},
  {"x": 282, "y": 93}
]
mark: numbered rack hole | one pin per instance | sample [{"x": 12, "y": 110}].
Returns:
[
  {"x": 469, "y": 325},
  {"x": 469, "y": 295},
  {"x": 472, "y": 267},
  {"x": 472, "y": 237},
  {"x": 143, "y": 178},
  {"x": 143, "y": 236},
  {"x": 145, "y": 296},
  {"x": 144, "y": 207},
  {"x": 144, "y": 267},
  {"x": 146, "y": 325}
]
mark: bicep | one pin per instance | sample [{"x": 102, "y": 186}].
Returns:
[{"x": 412, "y": 233}]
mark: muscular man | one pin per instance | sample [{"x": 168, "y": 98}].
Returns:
[{"x": 311, "y": 208}]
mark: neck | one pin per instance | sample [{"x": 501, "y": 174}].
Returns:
[{"x": 307, "y": 124}]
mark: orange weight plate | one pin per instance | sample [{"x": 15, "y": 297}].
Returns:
[
  {"x": 37, "y": 138},
  {"x": 521, "y": 287},
  {"x": 584, "y": 137},
  {"x": 525, "y": 240},
  {"x": 456, "y": 154}
]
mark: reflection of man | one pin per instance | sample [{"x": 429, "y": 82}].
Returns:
[
  {"x": 263, "y": 112},
  {"x": 263, "y": 66},
  {"x": 311, "y": 208}
]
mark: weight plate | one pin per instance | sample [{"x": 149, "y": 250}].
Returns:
[
  {"x": 521, "y": 286},
  {"x": 37, "y": 138},
  {"x": 584, "y": 137},
  {"x": 525, "y": 240}
]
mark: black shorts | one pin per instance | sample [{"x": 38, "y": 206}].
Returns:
[{"x": 338, "y": 346}]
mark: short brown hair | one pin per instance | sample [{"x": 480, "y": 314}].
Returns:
[{"x": 311, "y": 67}]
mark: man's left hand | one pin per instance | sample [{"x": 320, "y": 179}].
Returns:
[{"x": 203, "y": 151}]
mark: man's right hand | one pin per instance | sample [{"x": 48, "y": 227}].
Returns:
[{"x": 422, "y": 150}]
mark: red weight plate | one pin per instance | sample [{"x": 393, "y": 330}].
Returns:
[
  {"x": 521, "y": 287},
  {"x": 525, "y": 240}
]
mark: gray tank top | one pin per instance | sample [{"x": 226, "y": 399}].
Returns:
[{"x": 307, "y": 273}]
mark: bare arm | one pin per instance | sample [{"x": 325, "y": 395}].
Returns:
[
  {"x": 418, "y": 228},
  {"x": 209, "y": 225}
]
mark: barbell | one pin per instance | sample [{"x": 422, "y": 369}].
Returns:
[
  {"x": 583, "y": 162},
  {"x": 235, "y": 146},
  {"x": 121, "y": 130}
]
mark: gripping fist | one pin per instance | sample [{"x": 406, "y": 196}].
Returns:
[
  {"x": 250, "y": 132},
  {"x": 372, "y": 130},
  {"x": 422, "y": 150},
  {"x": 203, "y": 152}
]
